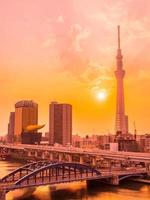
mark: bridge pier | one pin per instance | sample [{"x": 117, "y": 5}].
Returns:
[
  {"x": 109, "y": 165},
  {"x": 114, "y": 180},
  {"x": 93, "y": 161},
  {"x": 69, "y": 158},
  {"x": 148, "y": 168},
  {"x": 35, "y": 154},
  {"x": 51, "y": 156},
  {"x": 29, "y": 154},
  {"x": 81, "y": 160},
  {"x": 43, "y": 155},
  {"x": 46, "y": 154},
  {"x": 2, "y": 194},
  {"x": 60, "y": 157}
]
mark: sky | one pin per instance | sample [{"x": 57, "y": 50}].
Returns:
[{"x": 64, "y": 50}]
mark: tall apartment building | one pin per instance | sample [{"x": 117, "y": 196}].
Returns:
[
  {"x": 11, "y": 127},
  {"x": 60, "y": 123}
]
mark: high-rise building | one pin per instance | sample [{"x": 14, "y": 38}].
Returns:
[
  {"x": 60, "y": 123},
  {"x": 126, "y": 124},
  {"x": 26, "y": 113},
  {"x": 11, "y": 126},
  {"x": 121, "y": 125}
]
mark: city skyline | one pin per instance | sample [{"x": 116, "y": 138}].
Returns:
[
  {"x": 74, "y": 99},
  {"x": 68, "y": 55}
]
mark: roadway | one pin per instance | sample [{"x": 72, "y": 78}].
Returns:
[{"x": 116, "y": 155}]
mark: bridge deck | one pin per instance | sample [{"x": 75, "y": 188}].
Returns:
[{"x": 118, "y": 155}]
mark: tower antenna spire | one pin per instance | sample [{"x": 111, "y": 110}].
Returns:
[{"x": 118, "y": 27}]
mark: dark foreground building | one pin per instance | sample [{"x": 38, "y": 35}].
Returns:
[
  {"x": 126, "y": 142},
  {"x": 31, "y": 138}
]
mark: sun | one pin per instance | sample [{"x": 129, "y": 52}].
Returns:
[{"x": 102, "y": 95}]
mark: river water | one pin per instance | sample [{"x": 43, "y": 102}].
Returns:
[{"x": 77, "y": 191}]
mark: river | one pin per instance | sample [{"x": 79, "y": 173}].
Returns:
[{"x": 77, "y": 191}]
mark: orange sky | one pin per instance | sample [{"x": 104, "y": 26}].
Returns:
[{"x": 64, "y": 50}]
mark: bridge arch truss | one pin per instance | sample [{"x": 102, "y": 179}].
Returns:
[
  {"x": 23, "y": 171},
  {"x": 138, "y": 175},
  {"x": 55, "y": 173}
]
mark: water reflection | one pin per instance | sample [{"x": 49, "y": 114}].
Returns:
[
  {"x": 78, "y": 191},
  {"x": 6, "y": 167}
]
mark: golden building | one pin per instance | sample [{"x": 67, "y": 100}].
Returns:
[{"x": 26, "y": 113}]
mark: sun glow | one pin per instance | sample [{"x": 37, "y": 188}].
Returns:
[{"x": 102, "y": 95}]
